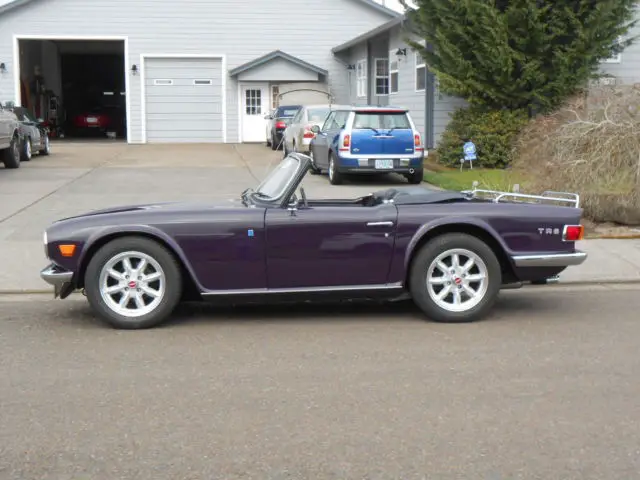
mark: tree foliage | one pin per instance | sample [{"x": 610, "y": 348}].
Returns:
[{"x": 518, "y": 53}]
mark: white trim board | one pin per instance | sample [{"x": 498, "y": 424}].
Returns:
[
  {"x": 143, "y": 92},
  {"x": 104, "y": 38}
]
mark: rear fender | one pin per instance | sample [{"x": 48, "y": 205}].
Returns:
[
  {"x": 103, "y": 236},
  {"x": 449, "y": 224}
]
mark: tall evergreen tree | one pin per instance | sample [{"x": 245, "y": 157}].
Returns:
[{"x": 519, "y": 53}]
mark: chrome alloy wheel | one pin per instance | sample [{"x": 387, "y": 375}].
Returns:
[
  {"x": 132, "y": 284},
  {"x": 457, "y": 280}
]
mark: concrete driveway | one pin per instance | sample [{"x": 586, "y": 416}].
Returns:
[{"x": 81, "y": 176}]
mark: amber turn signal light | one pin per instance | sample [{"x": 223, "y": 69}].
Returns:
[
  {"x": 67, "y": 250},
  {"x": 573, "y": 233}
]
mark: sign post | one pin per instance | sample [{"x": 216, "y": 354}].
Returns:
[{"x": 470, "y": 154}]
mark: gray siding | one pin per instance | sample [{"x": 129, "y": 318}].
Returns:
[
  {"x": 182, "y": 111},
  {"x": 242, "y": 30},
  {"x": 278, "y": 70}
]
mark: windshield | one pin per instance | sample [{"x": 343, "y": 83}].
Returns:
[
  {"x": 318, "y": 114},
  {"x": 277, "y": 181},
  {"x": 23, "y": 114},
  {"x": 287, "y": 112}
]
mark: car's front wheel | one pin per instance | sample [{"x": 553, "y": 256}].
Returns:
[
  {"x": 27, "y": 150},
  {"x": 455, "y": 278},
  {"x": 133, "y": 283}
]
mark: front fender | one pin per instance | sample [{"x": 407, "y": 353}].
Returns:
[
  {"x": 98, "y": 237},
  {"x": 459, "y": 221}
]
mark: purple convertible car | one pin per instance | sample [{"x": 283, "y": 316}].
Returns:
[{"x": 451, "y": 252}]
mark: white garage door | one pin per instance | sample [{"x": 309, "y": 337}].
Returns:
[{"x": 183, "y": 100}]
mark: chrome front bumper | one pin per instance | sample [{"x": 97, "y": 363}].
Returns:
[
  {"x": 550, "y": 260},
  {"x": 59, "y": 278}
]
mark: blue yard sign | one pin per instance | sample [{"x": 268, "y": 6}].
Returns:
[{"x": 469, "y": 151}]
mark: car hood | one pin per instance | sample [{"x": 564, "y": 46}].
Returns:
[{"x": 159, "y": 207}]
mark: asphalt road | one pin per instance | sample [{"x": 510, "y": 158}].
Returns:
[{"x": 547, "y": 388}]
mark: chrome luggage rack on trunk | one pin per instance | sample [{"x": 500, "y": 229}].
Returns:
[{"x": 548, "y": 196}]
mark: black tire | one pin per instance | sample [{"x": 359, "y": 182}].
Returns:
[
  {"x": 335, "y": 177},
  {"x": 26, "y": 152},
  {"x": 419, "y": 273},
  {"x": 173, "y": 286},
  {"x": 274, "y": 144},
  {"x": 416, "y": 177},
  {"x": 314, "y": 170},
  {"x": 46, "y": 148},
  {"x": 11, "y": 156}
]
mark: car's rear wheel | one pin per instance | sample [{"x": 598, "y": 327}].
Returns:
[
  {"x": 133, "y": 283},
  {"x": 314, "y": 170},
  {"x": 11, "y": 156},
  {"x": 416, "y": 177},
  {"x": 455, "y": 278},
  {"x": 335, "y": 177},
  {"x": 274, "y": 143},
  {"x": 27, "y": 150},
  {"x": 46, "y": 145}
]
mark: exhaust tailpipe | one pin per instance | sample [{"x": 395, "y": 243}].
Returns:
[{"x": 411, "y": 171}]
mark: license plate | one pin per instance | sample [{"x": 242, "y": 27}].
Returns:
[
  {"x": 92, "y": 119},
  {"x": 384, "y": 164}
]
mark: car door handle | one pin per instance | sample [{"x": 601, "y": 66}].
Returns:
[{"x": 379, "y": 224}]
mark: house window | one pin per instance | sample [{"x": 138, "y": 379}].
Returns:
[
  {"x": 361, "y": 78},
  {"x": 253, "y": 101},
  {"x": 393, "y": 72},
  {"x": 275, "y": 99},
  {"x": 382, "y": 76},
  {"x": 616, "y": 58},
  {"x": 421, "y": 73}
]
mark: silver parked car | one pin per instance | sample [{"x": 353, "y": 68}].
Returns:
[
  {"x": 298, "y": 134},
  {"x": 9, "y": 138}
]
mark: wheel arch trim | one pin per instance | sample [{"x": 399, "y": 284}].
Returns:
[{"x": 105, "y": 235}]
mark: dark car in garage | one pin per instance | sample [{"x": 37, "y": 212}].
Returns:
[{"x": 277, "y": 121}]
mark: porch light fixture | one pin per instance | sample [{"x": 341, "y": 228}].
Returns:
[
  {"x": 401, "y": 52},
  {"x": 351, "y": 67},
  {"x": 3, "y": 68},
  {"x": 134, "y": 69}
]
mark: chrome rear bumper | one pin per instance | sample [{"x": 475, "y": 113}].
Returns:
[
  {"x": 60, "y": 278},
  {"x": 550, "y": 260}
]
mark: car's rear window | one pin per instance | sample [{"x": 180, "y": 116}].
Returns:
[
  {"x": 397, "y": 120},
  {"x": 287, "y": 112}
]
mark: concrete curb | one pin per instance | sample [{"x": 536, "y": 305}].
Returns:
[{"x": 613, "y": 237}]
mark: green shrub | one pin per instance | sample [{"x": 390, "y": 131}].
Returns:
[{"x": 492, "y": 131}]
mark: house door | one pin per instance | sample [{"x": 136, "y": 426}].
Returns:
[{"x": 255, "y": 105}]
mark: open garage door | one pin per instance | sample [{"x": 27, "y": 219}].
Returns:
[
  {"x": 78, "y": 86},
  {"x": 184, "y": 100}
]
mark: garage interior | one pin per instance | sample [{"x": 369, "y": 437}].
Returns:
[{"x": 76, "y": 86}]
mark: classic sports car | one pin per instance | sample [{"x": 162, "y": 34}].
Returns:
[{"x": 451, "y": 252}]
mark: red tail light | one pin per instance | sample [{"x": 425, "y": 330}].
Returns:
[
  {"x": 346, "y": 143},
  {"x": 573, "y": 233},
  {"x": 308, "y": 133},
  {"x": 417, "y": 142},
  {"x": 280, "y": 124}
]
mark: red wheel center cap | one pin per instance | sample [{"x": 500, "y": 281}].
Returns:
[
  {"x": 132, "y": 284},
  {"x": 458, "y": 281}
]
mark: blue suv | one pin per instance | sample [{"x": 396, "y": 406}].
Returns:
[{"x": 365, "y": 140}]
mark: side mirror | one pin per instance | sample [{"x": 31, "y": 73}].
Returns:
[
  {"x": 268, "y": 117},
  {"x": 315, "y": 129},
  {"x": 39, "y": 120}
]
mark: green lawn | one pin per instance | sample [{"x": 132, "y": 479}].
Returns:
[{"x": 454, "y": 179}]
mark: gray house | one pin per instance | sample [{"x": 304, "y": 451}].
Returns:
[
  {"x": 209, "y": 71},
  {"x": 205, "y": 71},
  {"x": 386, "y": 71}
]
